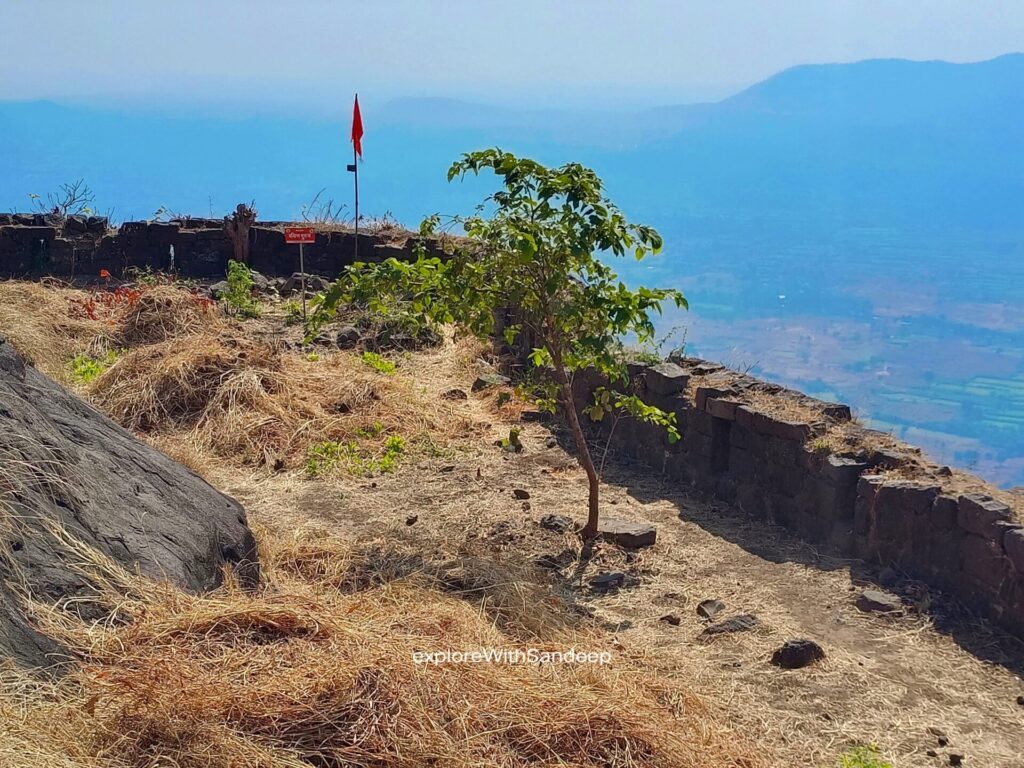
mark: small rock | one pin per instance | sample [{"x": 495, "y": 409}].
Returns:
[
  {"x": 448, "y": 468},
  {"x": 551, "y": 442},
  {"x": 671, "y": 618},
  {"x": 931, "y": 753},
  {"x": 877, "y": 601},
  {"x": 559, "y": 523},
  {"x": 608, "y": 580},
  {"x": 520, "y": 493},
  {"x": 219, "y": 289},
  {"x": 347, "y": 337},
  {"x": 259, "y": 282},
  {"x": 554, "y": 562},
  {"x": 939, "y": 735},
  {"x": 796, "y": 654},
  {"x": 628, "y": 535},
  {"x": 708, "y": 609},
  {"x": 487, "y": 380},
  {"x": 1020, "y": 700},
  {"x": 455, "y": 394},
  {"x": 742, "y": 622},
  {"x": 955, "y": 759},
  {"x": 411, "y": 519}
]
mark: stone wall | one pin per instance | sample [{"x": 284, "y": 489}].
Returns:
[
  {"x": 783, "y": 457},
  {"x": 36, "y": 245}
]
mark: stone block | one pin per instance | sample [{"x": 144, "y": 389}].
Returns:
[
  {"x": 944, "y": 512},
  {"x": 837, "y": 412},
  {"x": 1013, "y": 546},
  {"x": 742, "y": 464},
  {"x": 745, "y": 417},
  {"x": 842, "y": 470},
  {"x": 983, "y": 562},
  {"x": 978, "y": 514},
  {"x": 782, "y": 451},
  {"x": 722, "y": 408},
  {"x": 916, "y": 498},
  {"x": 666, "y": 379},
  {"x": 709, "y": 391},
  {"x": 627, "y": 534}
]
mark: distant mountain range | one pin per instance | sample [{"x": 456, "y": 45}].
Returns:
[
  {"x": 856, "y": 230},
  {"x": 854, "y": 141}
]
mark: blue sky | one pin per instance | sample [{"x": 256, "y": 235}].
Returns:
[{"x": 309, "y": 55}]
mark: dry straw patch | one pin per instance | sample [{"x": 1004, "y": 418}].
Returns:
[
  {"x": 41, "y": 322},
  {"x": 205, "y": 388},
  {"x": 256, "y": 403},
  {"x": 317, "y": 670}
]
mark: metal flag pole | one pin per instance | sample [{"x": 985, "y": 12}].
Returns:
[
  {"x": 355, "y": 173},
  {"x": 357, "y": 151}
]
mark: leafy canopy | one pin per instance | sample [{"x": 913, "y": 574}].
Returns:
[{"x": 535, "y": 246}]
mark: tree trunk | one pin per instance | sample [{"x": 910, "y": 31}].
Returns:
[
  {"x": 589, "y": 532},
  {"x": 237, "y": 226}
]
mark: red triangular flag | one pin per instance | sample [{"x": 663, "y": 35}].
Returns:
[{"x": 357, "y": 128}]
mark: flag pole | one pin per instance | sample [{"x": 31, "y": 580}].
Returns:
[
  {"x": 357, "y": 152},
  {"x": 355, "y": 175}
]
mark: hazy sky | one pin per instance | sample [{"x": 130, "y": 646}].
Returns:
[{"x": 313, "y": 52}]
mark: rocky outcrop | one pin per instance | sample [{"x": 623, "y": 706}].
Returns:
[{"x": 69, "y": 478}]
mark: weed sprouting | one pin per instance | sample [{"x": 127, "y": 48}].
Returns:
[
  {"x": 85, "y": 368},
  {"x": 863, "y": 757},
  {"x": 379, "y": 363},
  {"x": 333, "y": 456}
]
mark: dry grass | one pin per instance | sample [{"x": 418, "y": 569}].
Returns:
[
  {"x": 40, "y": 320},
  {"x": 165, "y": 312},
  {"x": 317, "y": 670},
  {"x": 207, "y": 388},
  {"x": 784, "y": 408},
  {"x": 256, "y": 403}
]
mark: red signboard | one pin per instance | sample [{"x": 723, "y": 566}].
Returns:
[{"x": 299, "y": 235}]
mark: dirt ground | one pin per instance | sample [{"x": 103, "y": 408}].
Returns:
[
  {"x": 921, "y": 687},
  {"x": 925, "y": 687}
]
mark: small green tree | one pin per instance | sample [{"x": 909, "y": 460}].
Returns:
[
  {"x": 238, "y": 295},
  {"x": 535, "y": 251}
]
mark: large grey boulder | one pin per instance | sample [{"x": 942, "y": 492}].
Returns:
[{"x": 70, "y": 474}]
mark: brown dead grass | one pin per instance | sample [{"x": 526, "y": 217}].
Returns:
[
  {"x": 317, "y": 670},
  {"x": 259, "y": 404},
  {"x": 165, "y": 312},
  {"x": 206, "y": 387},
  {"x": 41, "y": 322}
]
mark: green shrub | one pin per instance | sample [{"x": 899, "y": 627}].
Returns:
[
  {"x": 239, "y": 296},
  {"x": 379, "y": 363},
  {"x": 332, "y": 456},
  {"x": 292, "y": 312},
  {"x": 86, "y": 368},
  {"x": 863, "y": 757}
]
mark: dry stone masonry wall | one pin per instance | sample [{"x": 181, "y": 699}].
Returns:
[
  {"x": 783, "y": 457},
  {"x": 35, "y": 245}
]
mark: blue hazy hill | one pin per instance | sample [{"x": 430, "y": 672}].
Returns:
[{"x": 853, "y": 229}]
